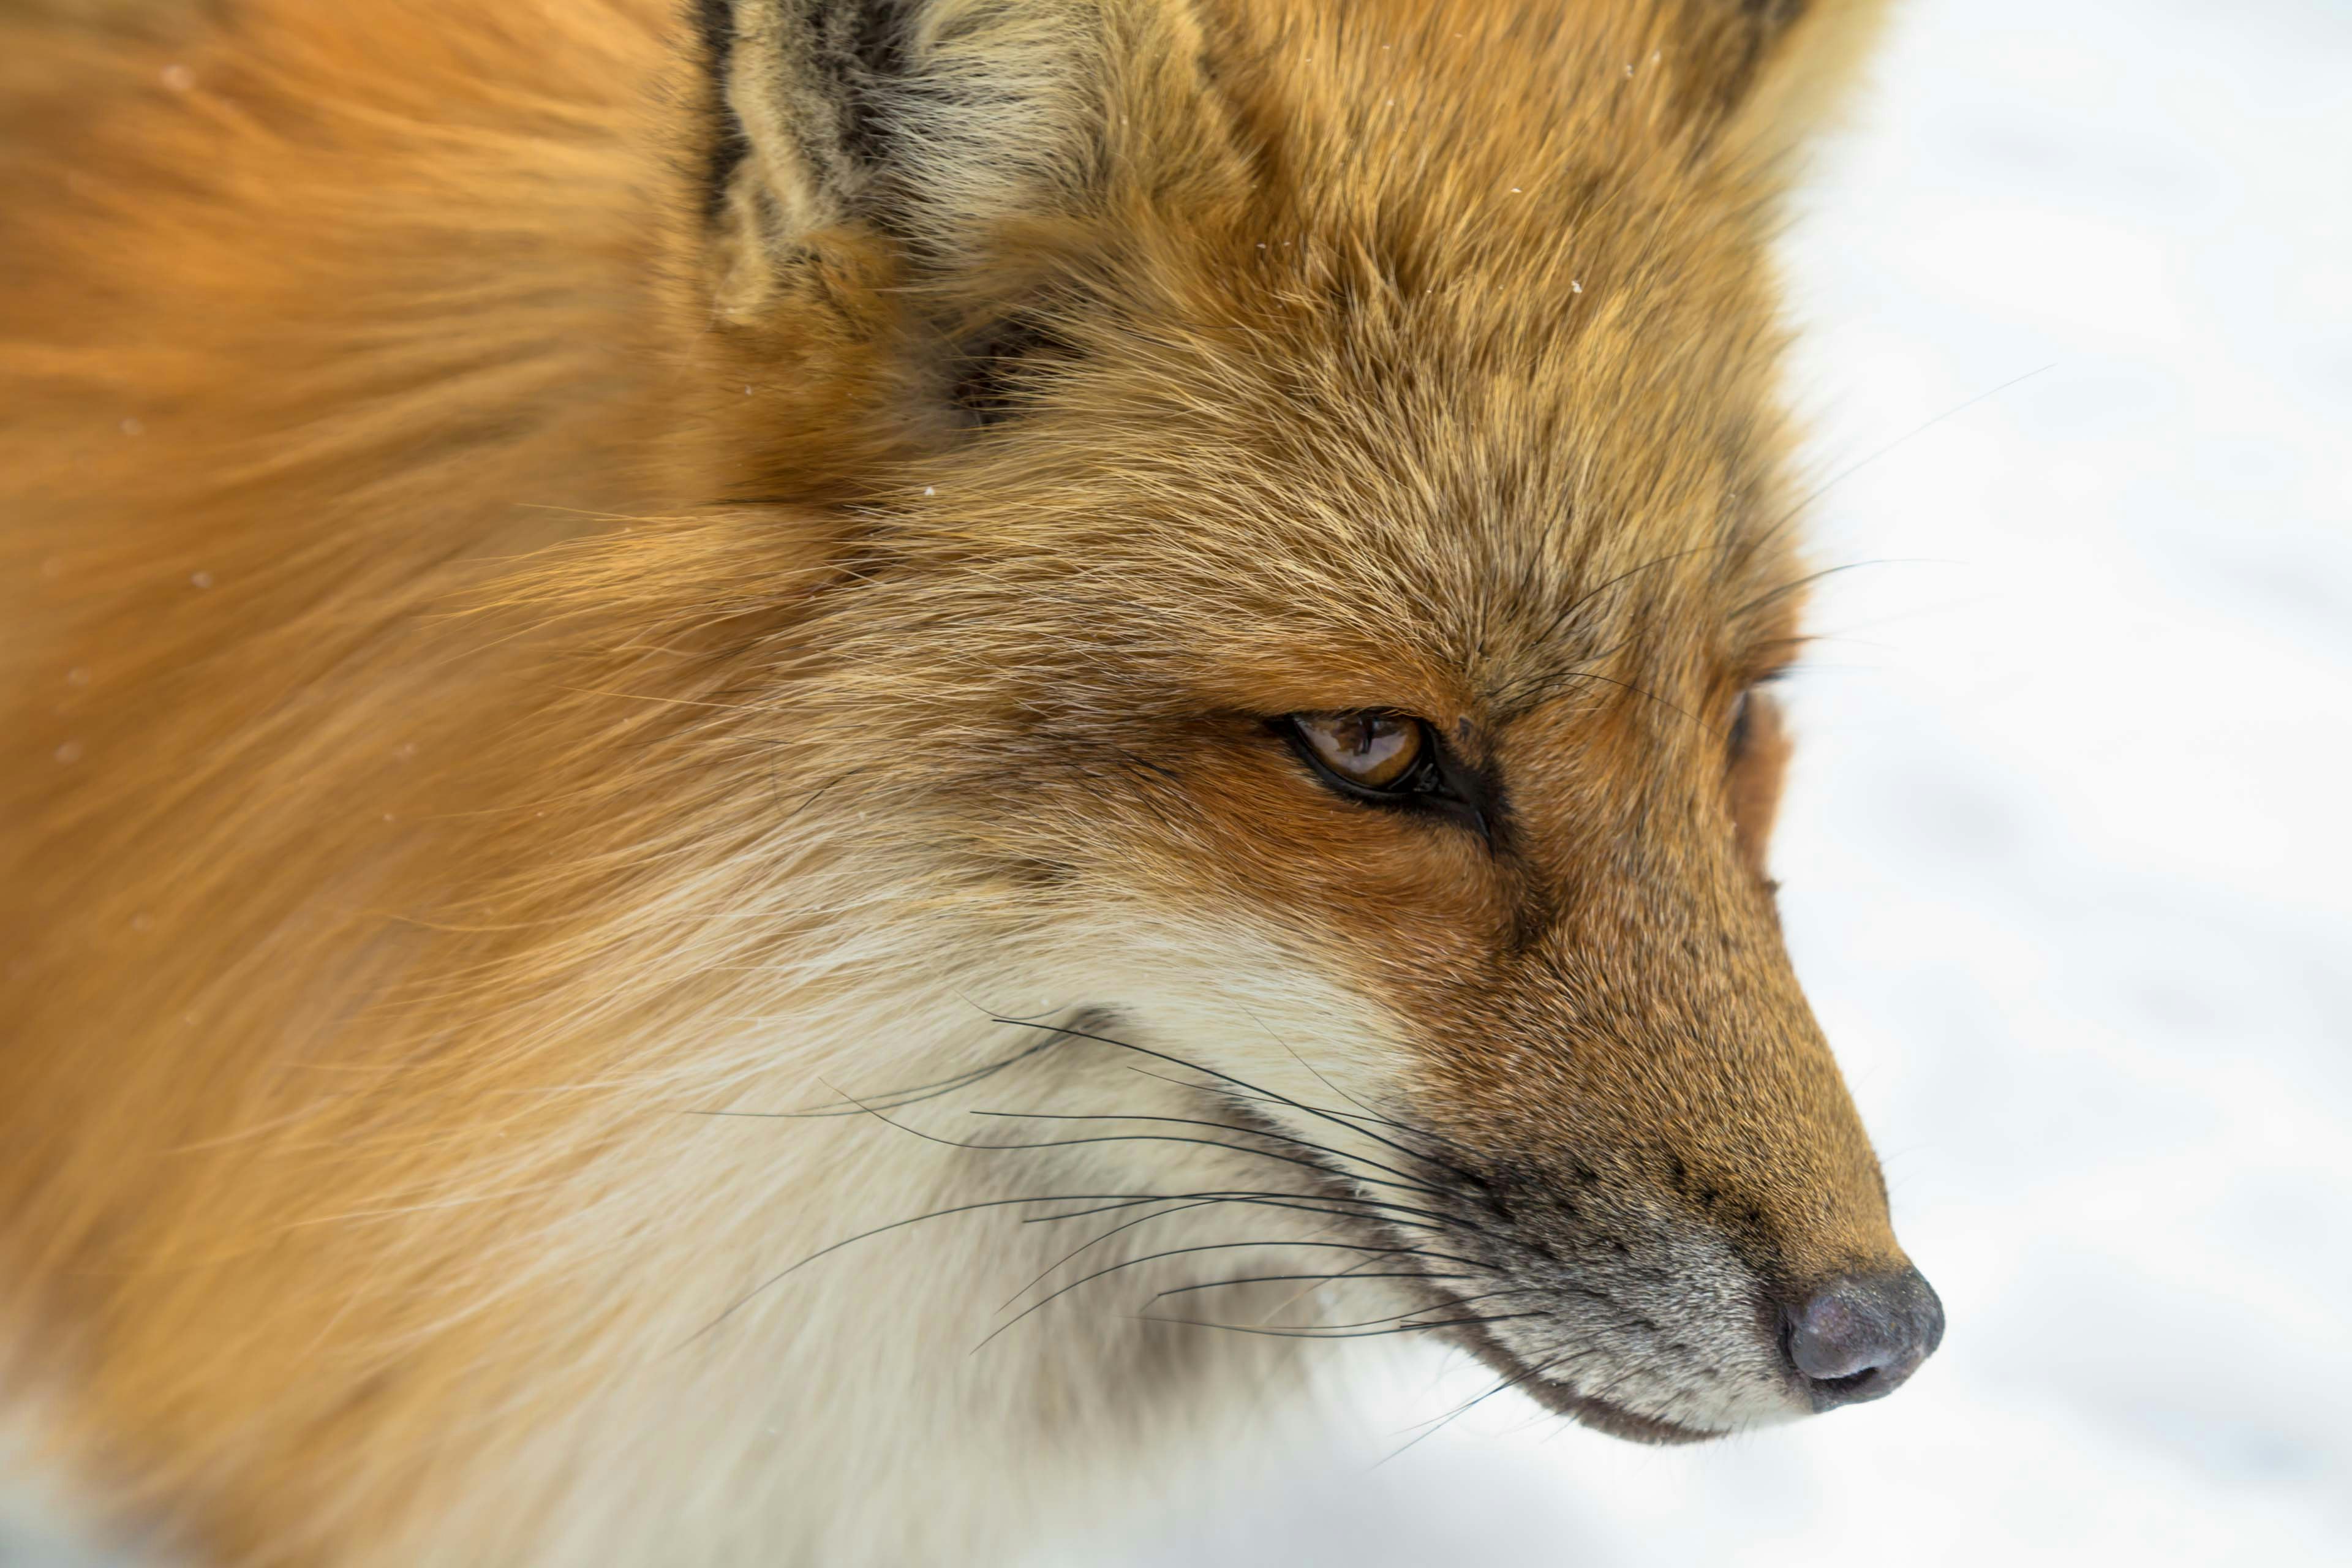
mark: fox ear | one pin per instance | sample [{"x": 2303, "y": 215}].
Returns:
[
  {"x": 927, "y": 119},
  {"x": 884, "y": 187},
  {"x": 1769, "y": 72}
]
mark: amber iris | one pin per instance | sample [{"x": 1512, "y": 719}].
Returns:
[{"x": 1372, "y": 751}]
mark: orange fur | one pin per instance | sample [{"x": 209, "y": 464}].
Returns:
[{"x": 494, "y": 662}]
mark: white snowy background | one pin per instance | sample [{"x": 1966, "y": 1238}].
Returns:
[{"x": 2067, "y": 863}]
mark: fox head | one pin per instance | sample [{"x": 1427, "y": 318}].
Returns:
[{"x": 1313, "y": 540}]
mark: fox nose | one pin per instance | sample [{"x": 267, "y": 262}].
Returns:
[{"x": 1859, "y": 1336}]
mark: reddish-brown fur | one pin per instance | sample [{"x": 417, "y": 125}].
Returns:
[{"x": 436, "y": 564}]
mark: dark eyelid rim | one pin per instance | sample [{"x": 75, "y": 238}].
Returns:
[{"x": 1440, "y": 784}]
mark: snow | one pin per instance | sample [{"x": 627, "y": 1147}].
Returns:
[{"x": 2065, "y": 857}]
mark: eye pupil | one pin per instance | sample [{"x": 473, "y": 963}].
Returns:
[{"x": 1368, "y": 749}]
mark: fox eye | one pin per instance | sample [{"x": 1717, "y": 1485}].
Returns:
[
  {"x": 1389, "y": 759},
  {"x": 1373, "y": 751}
]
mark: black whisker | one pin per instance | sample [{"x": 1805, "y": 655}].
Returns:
[
  {"x": 880, "y": 1229},
  {"x": 1106, "y": 1208},
  {"x": 1302, "y": 1202},
  {"x": 1799, "y": 585},
  {"x": 1592, "y": 593},
  {"x": 1345, "y": 1117},
  {"x": 1217, "y": 1246},
  {"x": 1525, "y": 1375},
  {"x": 1074, "y": 1253},
  {"x": 1314, "y": 1165},
  {"x": 1451, "y": 1304},
  {"x": 1320, "y": 1076},
  {"x": 1322, "y": 1334},
  {"x": 1333, "y": 1117},
  {"x": 1408, "y": 1183},
  {"x": 1296, "y": 1203},
  {"x": 894, "y": 1099},
  {"x": 1636, "y": 690},
  {"x": 1287, "y": 1279},
  {"x": 1908, "y": 436}
]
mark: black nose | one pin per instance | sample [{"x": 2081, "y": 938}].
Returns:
[{"x": 1859, "y": 1336}]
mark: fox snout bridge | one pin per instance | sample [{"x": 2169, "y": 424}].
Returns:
[{"x": 1859, "y": 1338}]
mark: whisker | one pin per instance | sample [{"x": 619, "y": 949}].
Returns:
[
  {"x": 1592, "y": 593},
  {"x": 878, "y": 1230},
  {"x": 1908, "y": 436},
  {"x": 1345, "y": 1117},
  {"x": 1464, "y": 1408},
  {"x": 1214, "y": 1246},
  {"x": 1314, "y": 1165},
  {"x": 1311, "y": 1067},
  {"x": 1450, "y": 1305},
  {"x": 1186, "y": 1202},
  {"x": 1636, "y": 690},
  {"x": 1206, "y": 1200},
  {"x": 1321, "y": 1334},
  {"x": 1354, "y": 1270},
  {"x": 1447, "y": 1306},
  {"x": 1799, "y": 585},
  {"x": 1285, "y": 1279},
  {"x": 1279, "y": 1097},
  {"x": 1410, "y": 1185},
  {"x": 1302, "y": 1202},
  {"x": 1106, "y": 1208},
  {"x": 1078, "y": 1144},
  {"x": 1050, "y": 1268},
  {"x": 894, "y": 1099},
  {"x": 1145, "y": 1138}
]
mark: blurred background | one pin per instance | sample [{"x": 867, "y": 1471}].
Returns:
[{"x": 2066, "y": 855}]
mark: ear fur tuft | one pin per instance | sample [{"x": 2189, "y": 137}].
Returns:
[{"x": 927, "y": 120}]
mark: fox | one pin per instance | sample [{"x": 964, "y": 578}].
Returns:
[{"x": 785, "y": 776}]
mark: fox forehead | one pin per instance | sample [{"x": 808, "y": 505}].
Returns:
[
  {"x": 1387, "y": 512},
  {"x": 1493, "y": 403}
]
